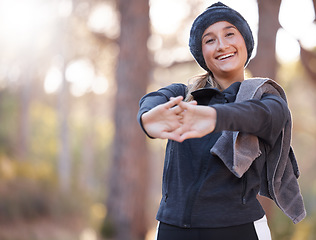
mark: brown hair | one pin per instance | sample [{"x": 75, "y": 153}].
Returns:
[{"x": 198, "y": 82}]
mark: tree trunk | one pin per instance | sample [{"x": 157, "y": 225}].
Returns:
[
  {"x": 87, "y": 178},
  {"x": 314, "y": 3},
  {"x": 24, "y": 113},
  {"x": 25, "y": 95},
  {"x": 129, "y": 171},
  {"x": 265, "y": 63},
  {"x": 64, "y": 166},
  {"x": 308, "y": 57},
  {"x": 64, "y": 160},
  {"x": 308, "y": 60}
]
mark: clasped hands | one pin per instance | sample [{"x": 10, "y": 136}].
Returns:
[{"x": 178, "y": 120}]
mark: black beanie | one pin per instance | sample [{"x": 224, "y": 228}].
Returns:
[{"x": 215, "y": 13}]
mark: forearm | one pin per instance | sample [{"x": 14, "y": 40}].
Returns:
[{"x": 264, "y": 118}]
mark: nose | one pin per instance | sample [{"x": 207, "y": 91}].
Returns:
[{"x": 221, "y": 44}]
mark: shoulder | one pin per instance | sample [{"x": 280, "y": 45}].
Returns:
[
  {"x": 177, "y": 86},
  {"x": 177, "y": 89},
  {"x": 256, "y": 87}
]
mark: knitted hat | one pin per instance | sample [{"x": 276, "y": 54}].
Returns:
[{"x": 216, "y": 13}]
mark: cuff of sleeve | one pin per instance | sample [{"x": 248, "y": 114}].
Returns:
[
  {"x": 139, "y": 119},
  {"x": 221, "y": 115}
]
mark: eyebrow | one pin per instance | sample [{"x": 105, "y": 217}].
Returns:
[{"x": 228, "y": 27}]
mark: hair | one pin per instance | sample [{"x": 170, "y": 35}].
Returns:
[{"x": 199, "y": 82}]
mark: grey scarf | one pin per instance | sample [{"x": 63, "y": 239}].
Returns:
[{"x": 238, "y": 150}]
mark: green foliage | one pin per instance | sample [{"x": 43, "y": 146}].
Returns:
[
  {"x": 44, "y": 132},
  {"x": 282, "y": 227},
  {"x": 26, "y": 200},
  {"x": 8, "y": 119},
  {"x": 108, "y": 229},
  {"x": 22, "y": 200}
]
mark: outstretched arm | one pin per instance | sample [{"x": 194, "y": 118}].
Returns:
[{"x": 264, "y": 118}]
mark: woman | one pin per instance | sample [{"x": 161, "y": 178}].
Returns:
[{"x": 228, "y": 140}]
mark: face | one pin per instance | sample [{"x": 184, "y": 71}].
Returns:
[{"x": 224, "y": 49}]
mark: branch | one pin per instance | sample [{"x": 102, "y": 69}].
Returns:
[
  {"x": 314, "y": 2},
  {"x": 102, "y": 38},
  {"x": 308, "y": 59}
]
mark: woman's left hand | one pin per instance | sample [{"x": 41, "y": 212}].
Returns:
[{"x": 196, "y": 120}]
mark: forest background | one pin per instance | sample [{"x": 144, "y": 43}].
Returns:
[{"x": 74, "y": 164}]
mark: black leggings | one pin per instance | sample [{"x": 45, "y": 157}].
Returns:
[{"x": 240, "y": 232}]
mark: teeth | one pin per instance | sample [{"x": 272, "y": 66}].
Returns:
[{"x": 226, "y": 56}]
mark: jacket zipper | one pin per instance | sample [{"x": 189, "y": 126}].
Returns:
[
  {"x": 244, "y": 189},
  {"x": 166, "y": 180}
]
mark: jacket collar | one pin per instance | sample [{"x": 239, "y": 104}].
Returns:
[{"x": 204, "y": 95}]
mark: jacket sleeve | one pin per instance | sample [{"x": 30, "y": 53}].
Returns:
[
  {"x": 161, "y": 96},
  {"x": 264, "y": 118}
]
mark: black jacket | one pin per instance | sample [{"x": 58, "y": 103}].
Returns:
[{"x": 198, "y": 189}]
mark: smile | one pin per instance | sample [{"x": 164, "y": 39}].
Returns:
[{"x": 222, "y": 57}]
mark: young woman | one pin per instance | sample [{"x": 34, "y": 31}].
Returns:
[{"x": 229, "y": 139}]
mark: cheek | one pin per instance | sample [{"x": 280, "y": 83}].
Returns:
[
  {"x": 207, "y": 52},
  {"x": 242, "y": 46},
  {"x": 244, "y": 53}
]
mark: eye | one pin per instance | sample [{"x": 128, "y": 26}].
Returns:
[
  {"x": 230, "y": 34},
  {"x": 211, "y": 40}
]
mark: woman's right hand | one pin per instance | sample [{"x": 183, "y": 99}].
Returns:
[{"x": 163, "y": 121}]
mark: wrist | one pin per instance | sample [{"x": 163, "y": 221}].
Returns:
[
  {"x": 213, "y": 118},
  {"x": 143, "y": 122}
]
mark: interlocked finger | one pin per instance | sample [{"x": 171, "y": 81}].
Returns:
[
  {"x": 177, "y": 110},
  {"x": 181, "y": 117}
]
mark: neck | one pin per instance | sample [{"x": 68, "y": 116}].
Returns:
[{"x": 225, "y": 80}]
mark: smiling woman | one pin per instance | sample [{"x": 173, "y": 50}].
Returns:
[{"x": 222, "y": 144}]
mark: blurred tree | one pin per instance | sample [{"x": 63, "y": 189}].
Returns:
[
  {"x": 88, "y": 150},
  {"x": 265, "y": 63},
  {"x": 24, "y": 99},
  {"x": 64, "y": 159},
  {"x": 308, "y": 57},
  {"x": 22, "y": 148},
  {"x": 129, "y": 172}
]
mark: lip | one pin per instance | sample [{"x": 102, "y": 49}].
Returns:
[{"x": 225, "y": 56}]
